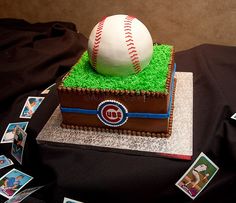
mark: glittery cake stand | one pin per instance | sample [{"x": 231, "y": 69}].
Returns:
[{"x": 179, "y": 145}]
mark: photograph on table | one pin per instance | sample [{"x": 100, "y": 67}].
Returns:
[
  {"x": 23, "y": 194},
  {"x": 47, "y": 90},
  {"x": 197, "y": 176},
  {"x": 4, "y": 161},
  {"x": 18, "y": 144},
  {"x": 8, "y": 135},
  {"x": 30, "y": 106},
  {"x": 12, "y": 182}
]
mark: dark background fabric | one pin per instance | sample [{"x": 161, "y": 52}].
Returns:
[{"x": 33, "y": 56}]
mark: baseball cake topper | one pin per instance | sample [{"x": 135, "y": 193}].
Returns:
[{"x": 120, "y": 45}]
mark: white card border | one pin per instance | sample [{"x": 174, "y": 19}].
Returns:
[
  {"x": 68, "y": 199},
  {"x": 233, "y": 116},
  {"x": 48, "y": 88}
]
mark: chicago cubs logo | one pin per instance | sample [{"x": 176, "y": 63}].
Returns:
[{"x": 112, "y": 113}]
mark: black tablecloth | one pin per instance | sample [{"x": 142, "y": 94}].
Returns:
[{"x": 34, "y": 56}]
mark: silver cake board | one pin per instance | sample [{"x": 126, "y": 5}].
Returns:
[{"x": 179, "y": 145}]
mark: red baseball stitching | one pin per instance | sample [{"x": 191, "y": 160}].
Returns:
[
  {"x": 130, "y": 44},
  {"x": 97, "y": 41}
]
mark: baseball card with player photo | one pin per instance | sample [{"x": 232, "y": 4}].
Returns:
[
  {"x": 31, "y": 105},
  {"x": 22, "y": 195},
  {"x": 12, "y": 182},
  {"x": 47, "y": 90},
  {"x": 18, "y": 144},
  {"x": 4, "y": 162},
  {"x": 197, "y": 176},
  {"x": 9, "y": 133}
]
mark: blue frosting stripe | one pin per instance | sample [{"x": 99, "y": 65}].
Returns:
[
  {"x": 148, "y": 115},
  {"x": 78, "y": 110},
  {"x": 129, "y": 114}
]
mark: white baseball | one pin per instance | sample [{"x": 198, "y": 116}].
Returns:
[{"x": 120, "y": 45}]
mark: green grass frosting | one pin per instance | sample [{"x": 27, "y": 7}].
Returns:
[{"x": 152, "y": 78}]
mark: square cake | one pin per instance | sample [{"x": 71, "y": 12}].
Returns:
[{"x": 140, "y": 104}]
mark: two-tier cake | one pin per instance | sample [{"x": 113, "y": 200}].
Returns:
[{"x": 95, "y": 96}]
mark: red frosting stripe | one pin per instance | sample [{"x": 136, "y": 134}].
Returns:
[
  {"x": 130, "y": 44},
  {"x": 97, "y": 41}
]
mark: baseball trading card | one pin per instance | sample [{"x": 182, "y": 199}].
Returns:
[
  {"x": 234, "y": 116},
  {"x": 31, "y": 105},
  {"x": 18, "y": 144},
  {"x": 197, "y": 176},
  {"x": 68, "y": 200},
  {"x": 8, "y": 135},
  {"x": 4, "y": 162},
  {"x": 22, "y": 195},
  {"x": 47, "y": 90},
  {"x": 12, "y": 182}
]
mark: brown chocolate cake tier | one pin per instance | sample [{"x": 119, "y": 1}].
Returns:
[{"x": 145, "y": 113}]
